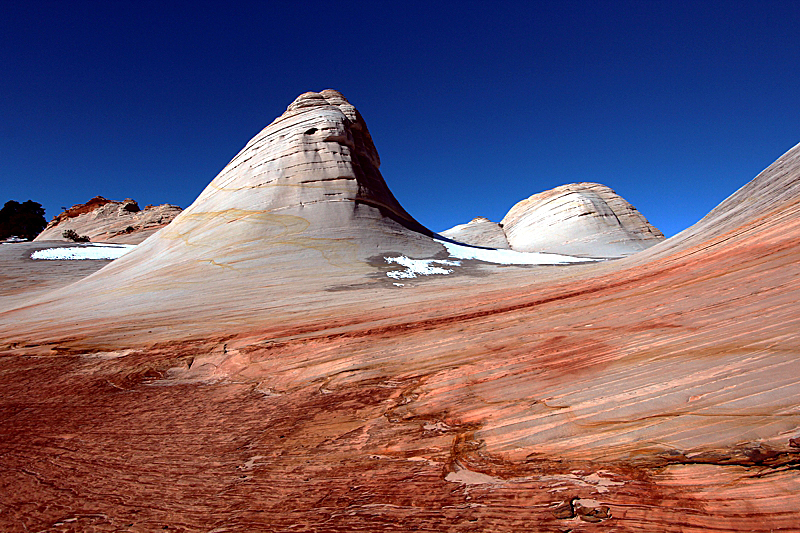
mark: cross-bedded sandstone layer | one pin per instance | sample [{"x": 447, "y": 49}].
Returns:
[
  {"x": 252, "y": 368},
  {"x": 480, "y": 231},
  {"x": 579, "y": 218},
  {"x": 583, "y": 219}
]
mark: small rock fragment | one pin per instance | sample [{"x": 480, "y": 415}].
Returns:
[{"x": 563, "y": 510}]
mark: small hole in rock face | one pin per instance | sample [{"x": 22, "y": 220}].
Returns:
[{"x": 312, "y": 131}]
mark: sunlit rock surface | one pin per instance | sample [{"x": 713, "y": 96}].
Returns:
[
  {"x": 479, "y": 231},
  {"x": 104, "y": 220},
  {"x": 586, "y": 219},
  {"x": 582, "y": 219},
  {"x": 251, "y": 367}
]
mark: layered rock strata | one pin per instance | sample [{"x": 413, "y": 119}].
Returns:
[
  {"x": 104, "y": 220},
  {"x": 479, "y": 231},
  {"x": 582, "y": 219},
  {"x": 586, "y": 219},
  {"x": 252, "y": 368},
  {"x": 302, "y": 204}
]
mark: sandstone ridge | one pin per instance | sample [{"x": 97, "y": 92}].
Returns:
[
  {"x": 104, "y": 220},
  {"x": 582, "y": 219},
  {"x": 480, "y": 231}
]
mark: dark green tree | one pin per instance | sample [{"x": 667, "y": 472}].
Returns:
[
  {"x": 72, "y": 235},
  {"x": 24, "y": 219}
]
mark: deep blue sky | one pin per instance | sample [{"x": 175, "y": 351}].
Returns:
[{"x": 473, "y": 106}]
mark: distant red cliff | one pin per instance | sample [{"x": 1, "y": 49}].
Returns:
[{"x": 104, "y": 220}]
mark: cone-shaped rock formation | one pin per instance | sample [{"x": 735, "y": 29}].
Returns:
[
  {"x": 316, "y": 161},
  {"x": 303, "y": 204}
]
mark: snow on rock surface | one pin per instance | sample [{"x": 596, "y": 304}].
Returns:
[
  {"x": 108, "y": 251},
  {"x": 511, "y": 257},
  {"x": 422, "y": 267}
]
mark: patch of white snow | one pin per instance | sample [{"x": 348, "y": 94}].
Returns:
[
  {"x": 414, "y": 267},
  {"x": 510, "y": 257},
  {"x": 90, "y": 251}
]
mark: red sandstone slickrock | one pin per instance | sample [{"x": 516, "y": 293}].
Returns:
[{"x": 254, "y": 366}]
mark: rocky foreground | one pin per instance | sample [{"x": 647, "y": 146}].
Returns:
[{"x": 254, "y": 366}]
